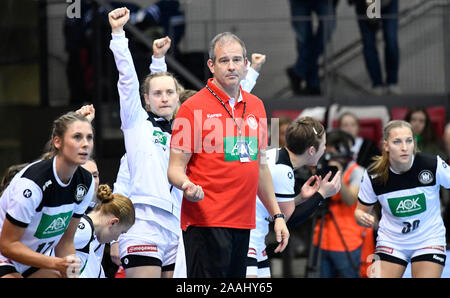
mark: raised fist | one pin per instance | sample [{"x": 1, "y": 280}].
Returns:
[
  {"x": 118, "y": 18},
  {"x": 161, "y": 46}
]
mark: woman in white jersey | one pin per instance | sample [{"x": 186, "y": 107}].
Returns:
[
  {"x": 406, "y": 184},
  {"x": 43, "y": 204},
  {"x": 305, "y": 144},
  {"x": 149, "y": 248},
  {"x": 158, "y": 69},
  {"x": 113, "y": 215}
]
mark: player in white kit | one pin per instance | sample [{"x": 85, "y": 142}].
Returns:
[
  {"x": 149, "y": 248},
  {"x": 43, "y": 204},
  {"x": 113, "y": 216},
  {"x": 305, "y": 144},
  {"x": 406, "y": 184}
]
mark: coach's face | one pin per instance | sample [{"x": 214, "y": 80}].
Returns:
[{"x": 229, "y": 66}]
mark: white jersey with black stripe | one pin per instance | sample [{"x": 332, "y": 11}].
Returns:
[
  {"x": 89, "y": 250},
  {"x": 411, "y": 216},
  {"x": 283, "y": 182},
  {"x": 40, "y": 202}
]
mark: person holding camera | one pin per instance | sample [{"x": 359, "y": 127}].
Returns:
[{"x": 339, "y": 237}]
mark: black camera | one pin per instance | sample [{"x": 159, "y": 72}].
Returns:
[
  {"x": 323, "y": 166},
  {"x": 341, "y": 142}
]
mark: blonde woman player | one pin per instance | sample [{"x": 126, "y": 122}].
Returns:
[
  {"x": 43, "y": 204},
  {"x": 406, "y": 184},
  {"x": 149, "y": 248}
]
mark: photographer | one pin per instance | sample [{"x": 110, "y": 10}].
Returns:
[{"x": 341, "y": 237}]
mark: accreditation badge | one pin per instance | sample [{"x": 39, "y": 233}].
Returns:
[{"x": 243, "y": 149}]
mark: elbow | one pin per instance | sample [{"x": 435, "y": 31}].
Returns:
[
  {"x": 170, "y": 175},
  {"x": 5, "y": 249}
]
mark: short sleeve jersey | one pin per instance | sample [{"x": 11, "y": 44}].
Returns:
[
  {"x": 205, "y": 128},
  {"x": 40, "y": 202},
  {"x": 283, "y": 179},
  {"x": 411, "y": 217},
  {"x": 89, "y": 250}
]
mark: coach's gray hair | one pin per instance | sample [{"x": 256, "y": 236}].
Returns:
[{"x": 223, "y": 38}]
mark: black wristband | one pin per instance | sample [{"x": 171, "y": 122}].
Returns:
[{"x": 278, "y": 215}]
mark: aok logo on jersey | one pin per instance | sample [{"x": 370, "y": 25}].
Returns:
[
  {"x": 408, "y": 206},
  {"x": 53, "y": 225},
  {"x": 159, "y": 137}
]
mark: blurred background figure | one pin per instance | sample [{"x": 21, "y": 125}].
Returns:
[
  {"x": 163, "y": 18},
  {"x": 368, "y": 28},
  {"x": 427, "y": 140},
  {"x": 363, "y": 149},
  {"x": 446, "y": 139},
  {"x": 283, "y": 124},
  {"x": 304, "y": 74}
]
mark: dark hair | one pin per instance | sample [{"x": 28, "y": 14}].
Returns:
[
  {"x": 9, "y": 174},
  {"x": 303, "y": 133},
  {"x": 350, "y": 114},
  {"x": 341, "y": 141},
  {"x": 428, "y": 134}
]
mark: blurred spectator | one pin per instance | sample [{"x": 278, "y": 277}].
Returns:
[
  {"x": 369, "y": 28},
  {"x": 446, "y": 139},
  {"x": 363, "y": 149},
  {"x": 425, "y": 134},
  {"x": 165, "y": 16},
  {"x": 310, "y": 45},
  {"x": 283, "y": 124}
]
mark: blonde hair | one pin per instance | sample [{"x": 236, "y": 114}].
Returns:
[
  {"x": 59, "y": 128},
  {"x": 380, "y": 166},
  {"x": 115, "y": 204}
]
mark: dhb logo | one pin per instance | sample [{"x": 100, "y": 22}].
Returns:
[{"x": 373, "y": 9}]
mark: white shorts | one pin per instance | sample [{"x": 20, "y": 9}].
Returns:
[
  {"x": 148, "y": 244},
  {"x": 435, "y": 253},
  {"x": 257, "y": 263}
]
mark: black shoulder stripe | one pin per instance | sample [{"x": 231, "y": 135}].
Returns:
[
  {"x": 76, "y": 215},
  {"x": 85, "y": 249},
  {"x": 40, "y": 172},
  {"x": 365, "y": 203},
  {"x": 421, "y": 174},
  {"x": 97, "y": 248},
  {"x": 283, "y": 157},
  {"x": 285, "y": 195},
  {"x": 16, "y": 222}
]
